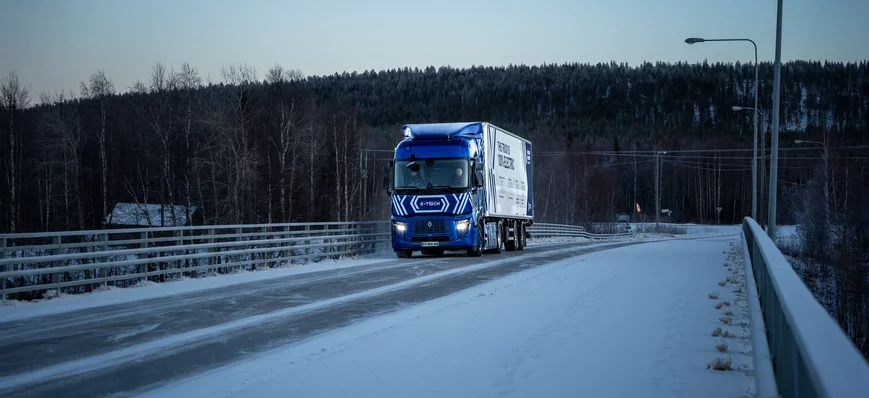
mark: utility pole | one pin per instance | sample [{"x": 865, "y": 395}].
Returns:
[
  {"x": 773, "y": 163},
  {"x": 657, "y": 200},
  {"x": 657, "y": 188},
  {"x": 363, "y": 171}
]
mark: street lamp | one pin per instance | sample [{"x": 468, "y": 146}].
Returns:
[
  {"x": 753, "y": 161},
  {"x": 692, "y": 40},
  {"x": 657, "y": 187}
]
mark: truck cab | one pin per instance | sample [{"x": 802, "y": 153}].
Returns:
[{"x": 438, "y": 188}]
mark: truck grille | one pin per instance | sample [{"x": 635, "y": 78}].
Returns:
[
  {"x": 429, "y": 227},
  {"x": 417, "y": 239}
]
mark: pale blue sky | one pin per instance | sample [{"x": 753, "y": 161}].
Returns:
[{"x": 54, "y": 44}]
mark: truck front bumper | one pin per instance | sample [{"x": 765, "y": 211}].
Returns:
[{"x": 433, "y": 232}]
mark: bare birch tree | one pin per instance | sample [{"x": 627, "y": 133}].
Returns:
[
  {"x": 286, "y": 140},
  {"x": 14, "y": 98},
  {"x": 230, "y": 116},
  {"x": 99, "y": 90},
  {"x": 188, "y": 81},
  {"x": 61, "y": 140},
  {"x": 158, "y": 116}
]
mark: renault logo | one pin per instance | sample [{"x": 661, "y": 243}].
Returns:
[{"x": 429, "y": 224}]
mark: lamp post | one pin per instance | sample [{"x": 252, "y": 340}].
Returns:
[
  {"x": 658, "y": 187},
  {"x": 776, "y": 98},
  {"x": 753, "y": 161},
  {"x": 692, "y": 40}
]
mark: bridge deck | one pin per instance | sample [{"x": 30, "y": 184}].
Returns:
[{"x": 613, "y": 319}]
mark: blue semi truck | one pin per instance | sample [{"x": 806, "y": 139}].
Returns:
[{"x": 459, "y": 186}]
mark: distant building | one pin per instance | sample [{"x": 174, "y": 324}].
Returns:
[{"x": 151, "y": 215}]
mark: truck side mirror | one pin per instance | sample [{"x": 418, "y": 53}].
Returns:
[
  {"x": 387, "y": 171},
  {"x": 478, "y": 175}
]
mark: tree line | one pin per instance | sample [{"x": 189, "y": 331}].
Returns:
[{"x": 281, "y": 147}]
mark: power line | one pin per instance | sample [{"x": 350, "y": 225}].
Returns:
[
  {"x": 652, "y": 152},
  {"x": 713, "y": 167}
]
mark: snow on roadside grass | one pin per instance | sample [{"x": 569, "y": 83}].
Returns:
[{"x": 568, "y": 328}]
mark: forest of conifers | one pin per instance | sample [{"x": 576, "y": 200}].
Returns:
[{"x": 259, "y": 147}]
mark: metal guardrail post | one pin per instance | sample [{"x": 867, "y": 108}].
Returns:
[
  {"x": 357, "y": 241},
  {"x": 57, "y": 277},
  {"x": 264, "y": 255},
  {"x": 179, "y": 241},
  {"x": 286, "y": 256},
  {"x": 307, "y": 242},
  {"x": 215, "y": 258},
  {"x": 339, "y": 248},
  {"x": 238, "y": 238},
  {"x": 104, "y": 237},
  {"x": 143, "y": 242}
]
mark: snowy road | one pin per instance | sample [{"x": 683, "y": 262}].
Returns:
[
  {"x": 140, "y": 345},
  {"x": 365, "y": 322},
  {"x": 630, "y": 322}
]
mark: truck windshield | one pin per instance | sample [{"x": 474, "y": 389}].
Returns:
[{"x": 431, "y": 173}]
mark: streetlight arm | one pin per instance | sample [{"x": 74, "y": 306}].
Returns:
[
  {"x": 748, "y": 40},
  {"x": 693, "y": 40},
  {"x": 746, "y": 108}
]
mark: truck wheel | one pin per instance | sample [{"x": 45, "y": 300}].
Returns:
[
  {"x": 522, "y": 241},
  {"x": 510, "y": 245},
  {"x": 404, "y": 253},
  {"x": 477, "y": 250}
]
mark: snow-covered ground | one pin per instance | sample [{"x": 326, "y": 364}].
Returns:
[{"x": 633, "y": 321}]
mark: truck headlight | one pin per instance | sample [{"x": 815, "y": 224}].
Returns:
[
  {"x": 399, "y": 226},
  {"x": 462, "y": 225}
]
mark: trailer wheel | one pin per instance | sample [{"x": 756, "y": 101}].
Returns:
[
  {"x": 404, "y": 253},
  {"x": 522, "y": 241}
]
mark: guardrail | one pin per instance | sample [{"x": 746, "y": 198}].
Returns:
[
  {"x": 811, "y": 355},
  {"x": 544, "y": 230},
  {"x": 78, "y": 260},
  {"x": 34, "y": 263}
]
